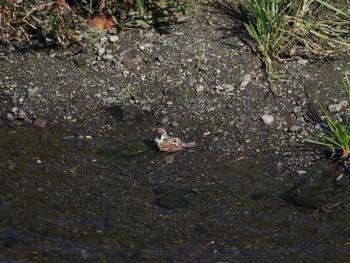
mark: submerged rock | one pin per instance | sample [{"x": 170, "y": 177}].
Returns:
[
  {"x": 173, "y": 198},
  {"x": 127, "y": 113},
  {"x": 320, "y": 189},
  {"x": 131, "y": 149}
]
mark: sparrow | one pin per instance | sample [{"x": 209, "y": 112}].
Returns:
[{"x": 169, "y": 144}]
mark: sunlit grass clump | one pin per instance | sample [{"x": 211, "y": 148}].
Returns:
[
  {"x": 337, "y": 140},
  {"x": 277, "y": 26}
]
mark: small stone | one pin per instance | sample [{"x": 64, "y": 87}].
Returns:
[
  {"x": 39, "y": 123},
  {"x": 297, "y": 109},
  {"x": 219, "y": 87},
  {"x": 199, "y": 88},
  {"x": 33, "y": 92},
  {"x": 340, "y": 180},
  {"x": 267, "y": 119},
  {"x": 101, "y": 51},
  {"x": 169, "y": 159},
  {"x": 14, "y": 124},
  {"x": 335, "y": 108},
  {"x": 9, "y": 116},
  {"x": 103, "y": 40},
  {"x": 295, "y": 128},
  {"x": 159, "y": 58},
  {"x": 246, "y": 78},
  {"x": 109, "y": 57},
  {"x": 204, "y": 68},
  {"x": 71, "y": 119},
  {"x": 302, "y": 62},
  {"x": 344, "y": 103},
  {"x": 22, "y": 114},
  {"x": 164, "y": 120},
  {"x": 174, "y": 124},
  {"x": 14, "y": 110},
  {"x": 301, "y": 119},
  {"x": 228, "y": 87},
  {"x": 113, "y": 38}
]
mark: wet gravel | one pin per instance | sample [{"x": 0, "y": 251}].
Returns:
[{"x": 199, "y": 79}]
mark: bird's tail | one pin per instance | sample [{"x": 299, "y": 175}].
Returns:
[{"x": 189, "y": 145}]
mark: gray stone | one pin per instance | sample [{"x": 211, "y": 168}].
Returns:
[
  {"x": 199, "y": 88},
  {"x": 302, "y": 62},
  {"x": 297, "y": 109},
  {"x": 228, "y": 87},
  {"x": 9, "y": 116},
  {"x": 267, "y": 119},
  {"x": 113, "y": 38},
  {"x": 246, "y": 78},
  {"x": 295, "y": 128},
  {"x": 335, "y": 108}
]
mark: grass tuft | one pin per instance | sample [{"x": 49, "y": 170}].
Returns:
[
  {"x": 338, "y": 137},
  {"x": 278, "y": 26}
]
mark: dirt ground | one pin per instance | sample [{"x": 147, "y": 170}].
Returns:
[{"x": 201, "y": 80}]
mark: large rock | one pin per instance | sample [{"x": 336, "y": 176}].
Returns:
[{"x": 320, "y": 189}]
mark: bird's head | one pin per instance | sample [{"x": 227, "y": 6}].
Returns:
[{"x": 161, "y": 133}]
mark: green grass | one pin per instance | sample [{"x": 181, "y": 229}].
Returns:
[
  {"x": 276, "y": 26},
  {"x": 338, "y": 137}
]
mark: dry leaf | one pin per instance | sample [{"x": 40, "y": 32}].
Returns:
[
  {"x": 61, "y": 3},
  {"x": 101, "y": 22}
]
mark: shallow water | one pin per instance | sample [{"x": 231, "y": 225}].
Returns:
[{"x": 65, "y": 197}]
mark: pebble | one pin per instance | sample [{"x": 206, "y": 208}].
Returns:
[
  {"x": 103, "y": 40},
  {"x": 344, "y": 103},
  {"x": 113, "y": 38},
  {"x": 199, "y": 88},
  {"x": 335, "y": 108},
  {"x": 159, "y": 58},
  {"x": 9, "y": 116},
  {"x": 14, "y": 110},
  {"x": 340, "y": 180},
  {"x": 14, "y": 124},
  {"x": 295, "y": 128},
  {"x": 228, "y": 87},
  {"x": 169, "y": 159},
  {"x": 101, "y": 51},
  {"x": 22, "y": 114},
  {"x": 33, "y": 92},
  {"x": 164, "y": 120},
  {"x": 174, "y": 124},
  {"x": 297, "y": 109},
  {"x": 302, "y": 62},
  {"x": 108, "y": 57},
  {"x": 267, "y": 119},
  {"x": 39, "y": 123},
  {"x": 246, "y": 78}
]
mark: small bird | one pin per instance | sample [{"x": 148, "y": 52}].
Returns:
[{"x": 169, "y": 144}]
